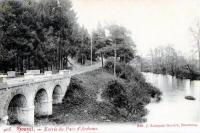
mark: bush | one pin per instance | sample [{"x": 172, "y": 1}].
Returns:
[
  {"x": 124, "y": 71},
  {"x": 130, "y": 98},
  {"x": 152, "y": 91},
  {"x": 182, "y": 73},
  {"x": 109, "y": 66},
  {"x": 132, "y": 74},
  {"x": 116, "y": 94},
  {"x": 135, "y": 80},
  {"x": 76, "y": 93}
]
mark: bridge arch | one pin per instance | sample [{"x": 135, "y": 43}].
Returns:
[
  {"x": 36, "y": 97},
  {"x": 41, "y": 103},
  {"x": 16, "y": 108},
  {"x": 57, "y": 94}
]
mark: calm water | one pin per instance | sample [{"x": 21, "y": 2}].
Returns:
[{"x": 174, "y": 107}]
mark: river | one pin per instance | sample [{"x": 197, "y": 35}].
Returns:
[{"x": 173, "y": 107}]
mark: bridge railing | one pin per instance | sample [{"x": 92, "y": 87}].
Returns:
[{"x": 35, "y": 75}]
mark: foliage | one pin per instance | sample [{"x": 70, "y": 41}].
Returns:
[
  {"x": 133, "y": 77},
  {"x": 32, "y": 33},
  {"x": 130, "y": 95},
  {"x": 124, "y": 71},
  {"x": 166, "y": 60},
  {"x": 83, "y": 46},
  {"x": 116, "y": 94},
  {"x": 195, "y": 30},
  {"x": 109, "y": 66},
  {"x": 118, "y": 39},
  {"x": 76, "y": 93},
  {"x": 132, "y": 74},
  {"x": 43, "y": 34},
  {"x": 121, "y": 100},
  {"x": 129, "y": 98}
]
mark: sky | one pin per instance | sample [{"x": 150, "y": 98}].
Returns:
[{"x": 153, "y": 23}]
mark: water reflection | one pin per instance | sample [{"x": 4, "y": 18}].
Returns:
[{"x": 174, "y": 107}]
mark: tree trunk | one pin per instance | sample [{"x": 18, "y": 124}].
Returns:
[
  {"x": 199, "y": 60},
  {"x": 16, "y": 64},
  {"x": 102, "y": 59},
  {"x": 198, "y": 46},
  {"x": 29, "y": 62}
]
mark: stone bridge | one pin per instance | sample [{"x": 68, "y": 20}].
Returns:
[{"x": 21, "y": 99}]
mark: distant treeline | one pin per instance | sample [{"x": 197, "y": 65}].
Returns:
[{"x": 166, "y": 60}]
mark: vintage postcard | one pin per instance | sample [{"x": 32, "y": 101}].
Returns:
[{"x": 99, "y": 66}]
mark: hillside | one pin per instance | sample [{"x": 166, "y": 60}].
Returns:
[{"x": 90, "y": 99}]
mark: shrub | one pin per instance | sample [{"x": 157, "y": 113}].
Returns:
[
  {"x": 109, "y": 66},
  {"x": 116, "y": 94},
  {"x": 124, "y": 71},
  {"x": 132, "y": 74},
  {"x": 182, "y": 72},
  {"x": 136, "y": 81},
  {"x": 76, "y": 93},
  {"x": 152, "y": 91},
  {"x": 130, "y": 98}
]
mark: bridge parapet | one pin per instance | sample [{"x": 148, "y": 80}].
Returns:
[
  {"x": 48, "y": 89},
  {"x": 36, "y": 78}
]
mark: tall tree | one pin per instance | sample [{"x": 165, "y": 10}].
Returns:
[
  {"x": 33, "y": 31},
  {"x": 120, "y": 40},
  {"x": 16, "y": 26},
  {"x": 196, "y": 34}
]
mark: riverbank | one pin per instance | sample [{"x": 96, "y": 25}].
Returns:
[
  {"x": 180, "y": 74},
  {"x": 90, "y": 99}
]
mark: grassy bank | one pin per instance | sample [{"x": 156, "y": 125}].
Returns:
[{"x": 98, "y": 96}]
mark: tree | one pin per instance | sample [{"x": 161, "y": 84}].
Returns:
[
  {"x": 62, "y": 20},
  {"x": 170, "y": 59},
  {"x": 166, "y": 60},
  {"x": 33, "y": 31},
  {"x": 99, "y": 41},
  {"x": 83, "y": 46},
  {"x": 196, "y": 35},
  {"x": 16, "y": 29},
  {"x": 120, "y": 40}
]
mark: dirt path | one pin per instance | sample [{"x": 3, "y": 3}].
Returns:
[{"x": 78, "y": 69}]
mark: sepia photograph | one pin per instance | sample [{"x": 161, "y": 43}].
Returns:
[{"x": 99, "y": 66}]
